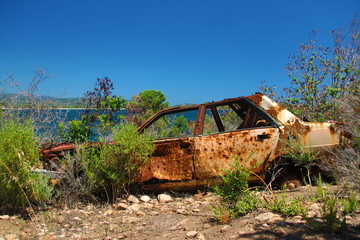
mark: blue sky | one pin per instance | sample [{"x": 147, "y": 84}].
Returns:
[{"x": 193, "y": 51}]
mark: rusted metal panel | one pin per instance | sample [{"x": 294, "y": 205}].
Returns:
[
  {"x": 172, "y": 160},
  {"x": 214, "y": 153}
]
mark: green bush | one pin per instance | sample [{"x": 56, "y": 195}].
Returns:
[
  {"x": 285, "y": 206},
  {"x": 76, "y": 131},
  {"x": 334, "y": 209},
  {"x": 112, "y": 168},
  {"x": 301, "y": 155},
  {"x": 233, "y": 192},
  {"x": 20, "y": 185}
]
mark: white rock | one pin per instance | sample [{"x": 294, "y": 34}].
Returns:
[
  {"x": 4, "y": 217},
  {"x": 133, "y": 199},
  {"x": 145, "y": 198},
  {"x": 164, "y": 198},
  {"x": 265, "y": 216},
  {"x": 191, "y": 234},
  {"x": 11, "y": 237}
]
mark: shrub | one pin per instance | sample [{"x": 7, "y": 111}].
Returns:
[
  {"x": 302, "y": 156},
  {"x": 285, "y": 206},
  {"x": 233, "y": 191},
  {"x": 334, "y": 209},
  {"x": 111, "y": 168},
  {"x": 77, "y": 131},
  {"x": 20, "y": 185}
]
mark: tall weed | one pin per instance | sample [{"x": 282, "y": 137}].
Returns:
[
  {"x": 233, "y": 192},
  {"x": 112, "y": 168},
  {"x": 20, "y": 185}
]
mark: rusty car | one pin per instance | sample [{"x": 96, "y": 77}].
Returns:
[{"x": 194, "y": 150}]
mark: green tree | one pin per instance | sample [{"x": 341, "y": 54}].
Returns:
[
  {"x": 144, "y": 105},
  {"x": 321, "y": 74},
  {"x": 102, "y": 113}
]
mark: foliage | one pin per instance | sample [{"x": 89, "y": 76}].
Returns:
[
  {"x": 321, "y": 74},
  {"x": 102, "y": 113},
  {"x": 233, "y": 191},
  {"x": 286, "y": 207},
  {"x": 20, "y": 185},
  {"x": 145, "y": 104},
  {"x": 77, "y": 131},
  {"x": 301, "y": 155},
  {"x": 334, "y": 209},
  {"x": 169, "y": 126},
  {"x": 113, "y": 167}
]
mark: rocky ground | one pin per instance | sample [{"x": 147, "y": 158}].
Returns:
[{"x": 168, "y": 216}]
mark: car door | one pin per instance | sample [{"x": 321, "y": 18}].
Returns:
[{"x": 251, "y": 138}]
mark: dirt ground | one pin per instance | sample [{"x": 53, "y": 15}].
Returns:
[{"x": 170, "y": 216}]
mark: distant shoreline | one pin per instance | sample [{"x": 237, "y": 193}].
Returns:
[
  {"x": 46, "y": 108},
  {"x": 3, "y": 108}
]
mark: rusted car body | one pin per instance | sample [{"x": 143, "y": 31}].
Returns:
[{"x": 253, "y": 129}]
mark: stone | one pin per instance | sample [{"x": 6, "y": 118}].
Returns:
[
  {"x": 181, "y": 211},
  {"x": 139, "y": 213},
  {"x": 164, "y": 198},
  {"x": 224, "y": 228},
  {"x": 61, "y": 219},
  {"x": 11, "y": 237},
  {"x": 131, "y": 220},
  {"x": 279, "y": 231},
  {"x": 133, "y": 199},
  {"x": 135, "y": 207},
  {"x": 154, "y": 213},
  {"x": 206, "y": 226},
  {"x": 314, "y": 207},
  {"x": 145, "y": 198},
  {"x": 265, "y": 216},
  {"x": 311, "y": 214},
  {"x": 182, "y": 223},
  {"x": 276, "y": 219},
  {"x": 121, "y": 206},
  {"x": 109, "y": 212},
  {"x": 4, "y": 217},
  {"x": 201, "y": 237},
  {"x": 147, "y": 205},
  {"x": 191, "y": 234},
  {"x": 77, "y": 219}
]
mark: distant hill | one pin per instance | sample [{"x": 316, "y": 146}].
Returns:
[
  {"x": 19, "y": 100},
  {"x": 9, "y": 100}
]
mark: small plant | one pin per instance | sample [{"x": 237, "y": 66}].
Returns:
[
  {"x": 20, "y": 186},
  {"x": 330, "y": 211},
  {"x": 302, "y": 156},
  {"x": 233, "y": 191},
  {"x": 285, "y": 206},
  {"x": 334, "y": 209},
  {"x": 112, "y": 168}
]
